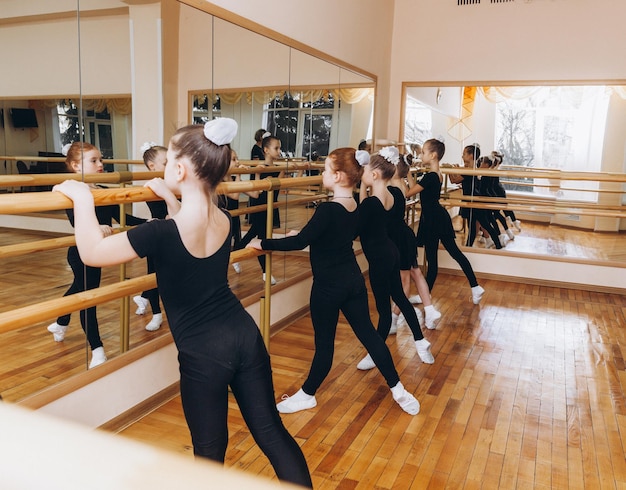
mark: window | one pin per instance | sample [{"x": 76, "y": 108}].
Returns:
[
  {"x": 98, "y": 124},
  {"x": 418, "y": 122},
  {"x": 303, "y": 126},
  {"x": 554, "y": 128},
  {"x": 200, "y": 108}
]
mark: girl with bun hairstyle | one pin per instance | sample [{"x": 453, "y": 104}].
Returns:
[
  {"x": 219, "y": 344},
  {"x": 404, "y": 238},
  {"x": 338, "y": 284},
  {"x": 435, "y": 223},
  {"x": 375, "y": 217}
]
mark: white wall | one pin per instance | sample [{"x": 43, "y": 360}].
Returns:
[{"x": 525, "y": 40}]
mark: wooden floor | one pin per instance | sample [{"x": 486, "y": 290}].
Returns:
[{"x": 527, "y": 391}]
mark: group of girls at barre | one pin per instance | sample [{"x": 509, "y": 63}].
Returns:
[
  {"x": 188, "y": 244},
  {"x": 485, "y": 223}
]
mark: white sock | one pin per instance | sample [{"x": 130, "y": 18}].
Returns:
[
  {"x": 300, "y": 395},
  {"x": 397, "y": 391},
  {"x": 429, "y": 309}
]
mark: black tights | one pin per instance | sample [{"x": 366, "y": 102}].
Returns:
[
  {"x": 350, "y": 297},
  {"x": 85, "y": 278},
  {"x": 152, "y": 295},
  {"x": 483, "y": 217},
  {"x": 386, "y": 282},
  {"x": 258, "y": 228},
  {"x": 431, "y": 248},
  {"x": 234, "y": 355}
]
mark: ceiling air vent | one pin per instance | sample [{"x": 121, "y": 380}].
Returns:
[
  {"x": 467, "y": 2},
  {"x": 501, "y": 1}
]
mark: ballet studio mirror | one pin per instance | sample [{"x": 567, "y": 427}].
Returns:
[
  {"x": 128, "y": 72},
  {"x": 566, "y": 126}
]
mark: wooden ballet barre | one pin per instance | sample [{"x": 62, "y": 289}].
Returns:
[
  {"x": 538, "y": 209},
  {"x": 40, "y": 312},
  {"x": 557, "y": 186},
  {"x": 19, "y": 249},
  {"x": 542, "y": 201},
  {"x": 31, "y": 202},
  {"x": 32, "y": 158},
  {"x": 556, "y": 175},
  {"x": 53, "y": 179}
]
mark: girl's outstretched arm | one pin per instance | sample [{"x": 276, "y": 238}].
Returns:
[{"x": 95, "y": 248}]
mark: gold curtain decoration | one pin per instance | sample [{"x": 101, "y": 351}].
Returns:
[
  {"x": 347, "y": 95},
  {"x": 122, "y": 105},
  {"x": 461, "y": 129}
]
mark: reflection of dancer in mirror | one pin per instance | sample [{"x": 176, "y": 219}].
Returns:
[
  {"x": 85, "y": 158},
  {"x": 435, "y": 223},
  {"x": 219, "y": 344},
  {"x": 499, "y": 191},
  {"x": 257, "y": 149},
  {"x": 230, "y": 202},
  {"x": 338, "y": 284},
  {"x": 404, "y": 238},
  {"x": 258, "y": 221},
  {"x": 375, "y": 215},
  {"x": 471, "y": 186},
  {"x": 155, "y": 158}
]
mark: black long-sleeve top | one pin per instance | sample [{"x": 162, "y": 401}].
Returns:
[{"x": 329, "y": 233}]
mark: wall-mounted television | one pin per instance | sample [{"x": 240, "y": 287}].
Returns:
[{"x": 23, "y": 118}]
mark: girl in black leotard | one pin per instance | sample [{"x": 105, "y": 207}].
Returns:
[
  {"x": 435, "y": 222},
  {"x": 258, "y": 221},
  {"x": 499, "y": 191},
  {"x": 85, "y": 158},
  {"x": 470, "y": 185},
  {"x": 404, "y": 238},
  {"x": 154, "y": 158},
  {"x": 230, "y": 202},
  {"x": 375, "y": 214},
  {"x": 338, "y": 284},
  {"x": 219, "y": 344}
]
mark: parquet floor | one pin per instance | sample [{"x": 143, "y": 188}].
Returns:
[{"x": 527, "y": 391}]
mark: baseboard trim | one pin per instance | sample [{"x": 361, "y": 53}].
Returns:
[{"x": 142, "y": 409}]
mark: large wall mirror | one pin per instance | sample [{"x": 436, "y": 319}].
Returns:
[
  {"x": 567, "y": 126},
  {"x": 129, "y": 72}
]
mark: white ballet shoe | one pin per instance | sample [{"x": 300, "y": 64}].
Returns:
[
  {"x": 57, "y": 331},
  {"x": 366, "y": 363},
  {"x": 431, "y": 316},
  {"x": 477, "y": 294},
  {"x": 97, "y": 357},
  {"x": 407, "y": 402},
  {"x": 272, "y": 280},
  {"x": 510, "y": 234},
  {"x": 155, "y": 323},
  {"x": 423, "y": 351},
  {"x": 299, "y": 401},
  {"x": 416, "y": 299},
  {"x": 237, "y": 267},
  {"x": 142, "y": 303}
]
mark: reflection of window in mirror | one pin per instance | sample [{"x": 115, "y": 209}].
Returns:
[
  {"x": 552, "y": 127},
  {"x": 303, "y": 126},
  {"x": 200, "y": 108},
  {"x": 97, "y": 124},
  {"x": 418, "y": 122}
]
